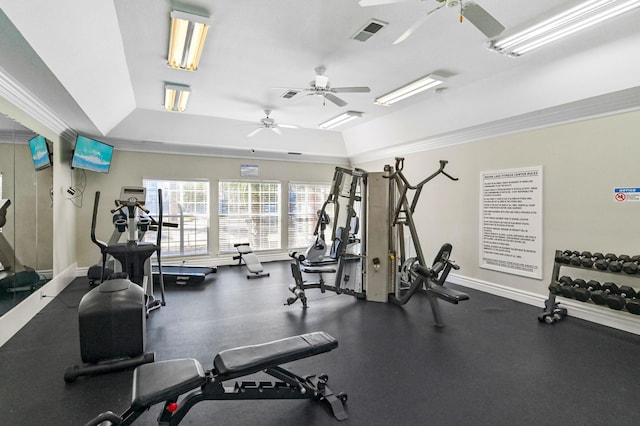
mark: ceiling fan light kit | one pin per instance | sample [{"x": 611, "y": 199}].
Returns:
[
  {"x": 188, "y": 34},
  {"x": 340, "y": 120},
  {"x": 559, "y": 26},
  {"x": 269, "y": 123},
  {"x": 413, "y": 88}
]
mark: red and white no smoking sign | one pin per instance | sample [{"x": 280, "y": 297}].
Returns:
[{"x": 623, "y": 195}]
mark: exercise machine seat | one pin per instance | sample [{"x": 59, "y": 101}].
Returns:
[
  {"x": 157, "y": 382},
  {"x": 250, "y": 359}
]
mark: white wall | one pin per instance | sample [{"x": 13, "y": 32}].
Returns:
[{"x": 582, "y": 163}]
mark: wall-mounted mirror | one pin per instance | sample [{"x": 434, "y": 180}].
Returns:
[{"x": 26, "y": 214}]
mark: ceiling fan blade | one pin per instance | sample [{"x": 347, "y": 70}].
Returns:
[
  {"x": 365, "y": 3},
  {"x": 278, "y": 131},
  {"x": 405, "y": 35},
  {"x": 336, "y": 100},
  {"x": 256, "y": 131},
  {"x": 350, "y": 90},
  {"x": 482, "y": 20},
  {"x": 287, "y": 126}
]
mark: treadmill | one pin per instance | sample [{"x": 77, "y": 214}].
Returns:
[{"x": 182, "y": 274}]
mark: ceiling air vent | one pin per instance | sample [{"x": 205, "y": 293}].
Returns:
[
  {"x": 289, "y": 94},
  {"x": 370, "y": 29}
]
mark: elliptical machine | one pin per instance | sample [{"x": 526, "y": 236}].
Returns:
[
  {"x": 131, "y": 216},
  {"x": 112, "y": 316}
]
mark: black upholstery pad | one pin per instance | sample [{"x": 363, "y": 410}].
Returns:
[
  {"x": 159, "y": 381},
  {"x": 250, "y": 359}
]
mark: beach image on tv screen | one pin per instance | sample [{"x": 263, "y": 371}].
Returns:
[
  {"x": 92, "y": 155},
  {"x": 39, "y": 152}
]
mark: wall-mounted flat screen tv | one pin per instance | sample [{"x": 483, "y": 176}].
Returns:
[
  {"x": 40, "y": 152},
  {"x": 93, "y": 155}
]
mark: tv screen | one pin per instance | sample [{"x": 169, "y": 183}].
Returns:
[
  {"x": 40, "y": 152},
  {"x": 93, "y": 155}
]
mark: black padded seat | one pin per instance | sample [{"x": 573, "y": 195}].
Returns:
[
  {"x": 157, "y": 382},
  {"x": 318, "y": 269},
  {"x": 246, "y": 360},
  {"x": 448, "y": 294}
]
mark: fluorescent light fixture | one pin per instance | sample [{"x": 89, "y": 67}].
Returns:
[
  {"x": 420, "y": 85},
  {"x": 176, "y": 97},
  {"x": 188, "y": 33},
  {"x": 340, "y": 120},
  {"x": 572, "y": 20}
]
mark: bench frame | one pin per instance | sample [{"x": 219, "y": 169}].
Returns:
[
  {"x": 248, "y": 257},
  {"x": 208, "y": 385}
]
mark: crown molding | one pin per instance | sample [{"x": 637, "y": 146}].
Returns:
[
  {"x": 13, "y": 92},
  {"x": 598, "y": 106}
]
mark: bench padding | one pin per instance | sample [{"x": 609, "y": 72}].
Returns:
[
  {"x": 448, "y": 294},
  {"x": 245, "y": 360},
  {"x": 157, "y": 382}
]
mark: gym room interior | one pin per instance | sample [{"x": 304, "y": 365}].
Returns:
[{"x": 520, "y": 155}]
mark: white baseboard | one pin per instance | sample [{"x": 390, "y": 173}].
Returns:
[
  {"x": 20, "y": 315},
  {"x": 586, "y": 311}
]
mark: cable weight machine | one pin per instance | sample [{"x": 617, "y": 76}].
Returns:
[{"x": 393, "y": 200}]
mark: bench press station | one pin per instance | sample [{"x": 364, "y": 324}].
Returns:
[
  {"x": 250, "y": 260},
  {"x": 167, "y": 381}
]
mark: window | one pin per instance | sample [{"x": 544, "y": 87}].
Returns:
[
  {"x": 249, "y": 212},
  {"x": 305, "y": 200},
  {"x": 185, "y": 203}
]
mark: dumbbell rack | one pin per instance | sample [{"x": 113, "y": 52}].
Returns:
[{"x": 553, "y": 311}]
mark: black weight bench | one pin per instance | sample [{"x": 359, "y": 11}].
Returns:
[{"x": 166, "y": 381}]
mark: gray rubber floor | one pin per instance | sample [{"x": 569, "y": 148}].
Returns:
[{"x": 492, "y": 364}]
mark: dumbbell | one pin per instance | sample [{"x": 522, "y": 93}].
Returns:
[
  {"x": 616, "y": 265},
  {"x": 565, "y": 256},
  {"x": 558, "y": 286},
  {"x": 583, "y": 293},
  {"x": 568, "y": 289},
  {"x": 617, "y": 301},
  {"x": 603, "y": 264},
  {"x": 633, "y": 305},
  {"x": 588, "y": 262},
  {"x": 631, "y": 267},
  {"x": 600, "y": 297},
  {"x": 577, "y": 260}
]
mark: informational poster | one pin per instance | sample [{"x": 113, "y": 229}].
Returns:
[
  {"x": 511, "y": 221},
  {"x": 249, "y": 170},
  {"x": 626, "y": 195}
]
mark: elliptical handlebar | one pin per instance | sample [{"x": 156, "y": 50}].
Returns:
[
  {"x": 400, "y": 166},
  {"x": 101, "y": 244}
]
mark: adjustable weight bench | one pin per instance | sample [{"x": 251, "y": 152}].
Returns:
[
  {"x": 167, "y": 381},
  {"x": 250, "y": 260}
]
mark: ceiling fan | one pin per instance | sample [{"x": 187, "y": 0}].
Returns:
[
  {"x": 320, "y": 87},
  {"x": 269, "y": 123},
  {"x": 473, "y": 13}
]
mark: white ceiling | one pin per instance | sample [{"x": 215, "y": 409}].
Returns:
[{"x": 109, "y": 56}]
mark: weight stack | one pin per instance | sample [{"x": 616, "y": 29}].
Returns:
[{"x": 112, "y": 321}]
